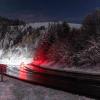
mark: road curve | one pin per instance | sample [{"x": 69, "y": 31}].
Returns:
[{"x": 74, "y": 82}]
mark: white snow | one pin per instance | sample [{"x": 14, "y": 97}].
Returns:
[
  {"x": 74, "y": 25},
  {"x": 12, "y": 89},
  {"x": 46, "y": 24}
]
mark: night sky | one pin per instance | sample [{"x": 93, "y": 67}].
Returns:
[{"x": 48, "y": 10}]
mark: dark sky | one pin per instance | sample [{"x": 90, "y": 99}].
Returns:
[{"x": 48, "y": 10}]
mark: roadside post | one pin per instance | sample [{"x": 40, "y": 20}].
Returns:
[{"x": 2, "y": 71}]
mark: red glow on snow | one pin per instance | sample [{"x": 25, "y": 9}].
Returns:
[
  {"x": 38, "y": 61},
  {"x": 22, "y": 73},
  {"x": 40, "y": 55}
]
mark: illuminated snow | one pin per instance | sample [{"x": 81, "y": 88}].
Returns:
[{"x": 15, "y": 58}]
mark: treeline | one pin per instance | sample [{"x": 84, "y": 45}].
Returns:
[
  {"x": 68, "y": 46},
  {"x": 59, "y": 43},
  {"x": 10, "y": 22}
]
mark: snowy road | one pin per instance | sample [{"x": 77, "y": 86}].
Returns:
[
  {"x": 12, "y": 89},
  {"x": 77, "y": 83}
]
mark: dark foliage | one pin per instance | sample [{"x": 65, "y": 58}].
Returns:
[{"x": 5, "y": 22}]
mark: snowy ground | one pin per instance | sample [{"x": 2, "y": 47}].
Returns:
[{"x": 12, "y": 89}]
